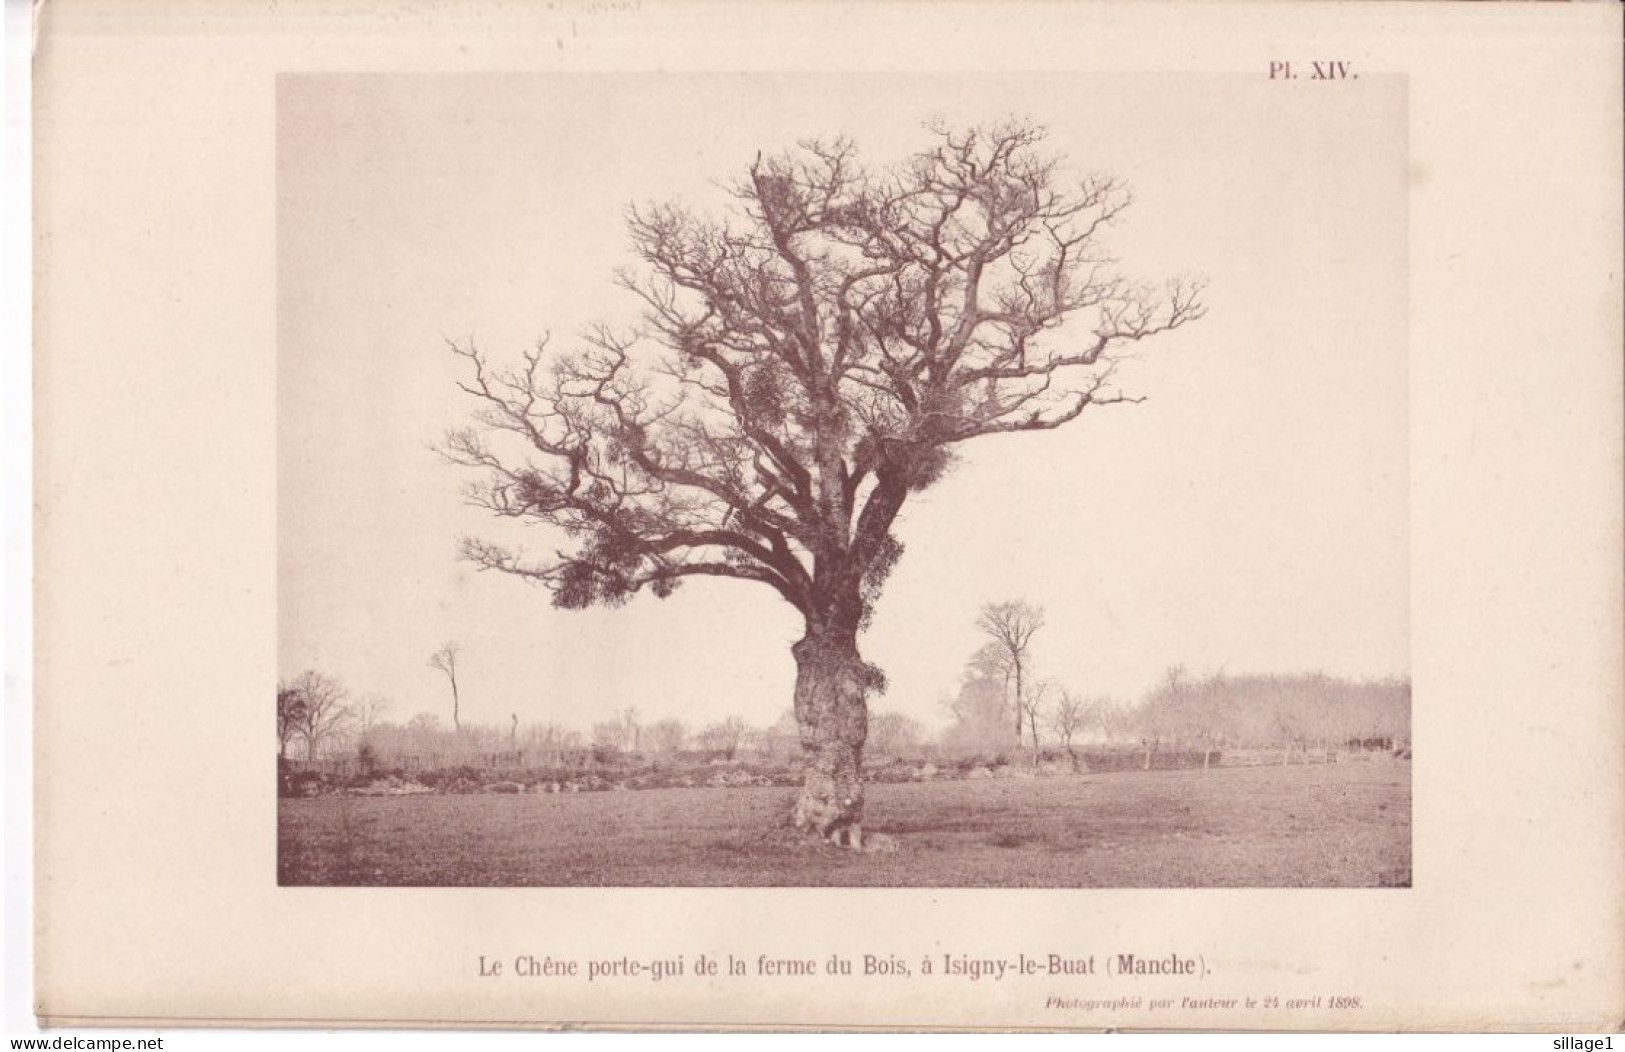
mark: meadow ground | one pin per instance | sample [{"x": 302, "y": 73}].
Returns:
[{"x": 1336, "y": 825}]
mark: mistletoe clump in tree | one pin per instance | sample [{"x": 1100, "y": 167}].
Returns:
[{"x": 804, "y": 365}]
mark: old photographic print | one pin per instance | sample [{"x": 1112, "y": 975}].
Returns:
[{"x": 868, "y": 480}]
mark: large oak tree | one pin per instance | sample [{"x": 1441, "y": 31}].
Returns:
[{"x": 804, "y": 364}]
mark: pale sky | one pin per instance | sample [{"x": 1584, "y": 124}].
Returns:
[{"x": 1251, "y": 515}]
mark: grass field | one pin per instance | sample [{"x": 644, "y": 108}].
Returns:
[{"x": 1338, "y": 825}]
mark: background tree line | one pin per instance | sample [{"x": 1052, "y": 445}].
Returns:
[
  {"x": 1001, "y": 708},
  {"x": 1216, "y": 711}
]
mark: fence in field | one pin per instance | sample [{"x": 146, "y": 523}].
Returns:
[
  {"x": 509, "y": 759},
  {"x": 1285, "y": 756},
  {"x": 422, "y": 760},
  {"x": 1162, "y": 757},
  {"x": 1099, "y": 758}
]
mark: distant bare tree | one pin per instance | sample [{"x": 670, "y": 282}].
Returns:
[
  {"x": 445, "y": 660},
  {"x": 290, "y": 711},
  {"x": 1072, "y": 716},
  {"x": 324, "y": 710},
  {"x": 1035, "y": 703},
  {"x": 1012, "y": 626},
  {"x": 1067, "y": 719},
  {"x": 723, "y": 736}
]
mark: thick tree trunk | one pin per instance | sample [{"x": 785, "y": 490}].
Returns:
[{"x": 832, "y": 715}]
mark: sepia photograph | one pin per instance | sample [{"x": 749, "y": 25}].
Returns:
[{"x": 720, "y": 480}]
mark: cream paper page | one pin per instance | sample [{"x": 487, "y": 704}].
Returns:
[{"x": 1393, "y": 444}]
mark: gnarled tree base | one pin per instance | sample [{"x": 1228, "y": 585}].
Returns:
[
  {"x": 831, "y": 799},
  {"x": 833, "y": 717}
]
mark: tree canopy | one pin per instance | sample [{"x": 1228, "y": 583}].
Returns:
[{"x": 804, "y": 363}]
